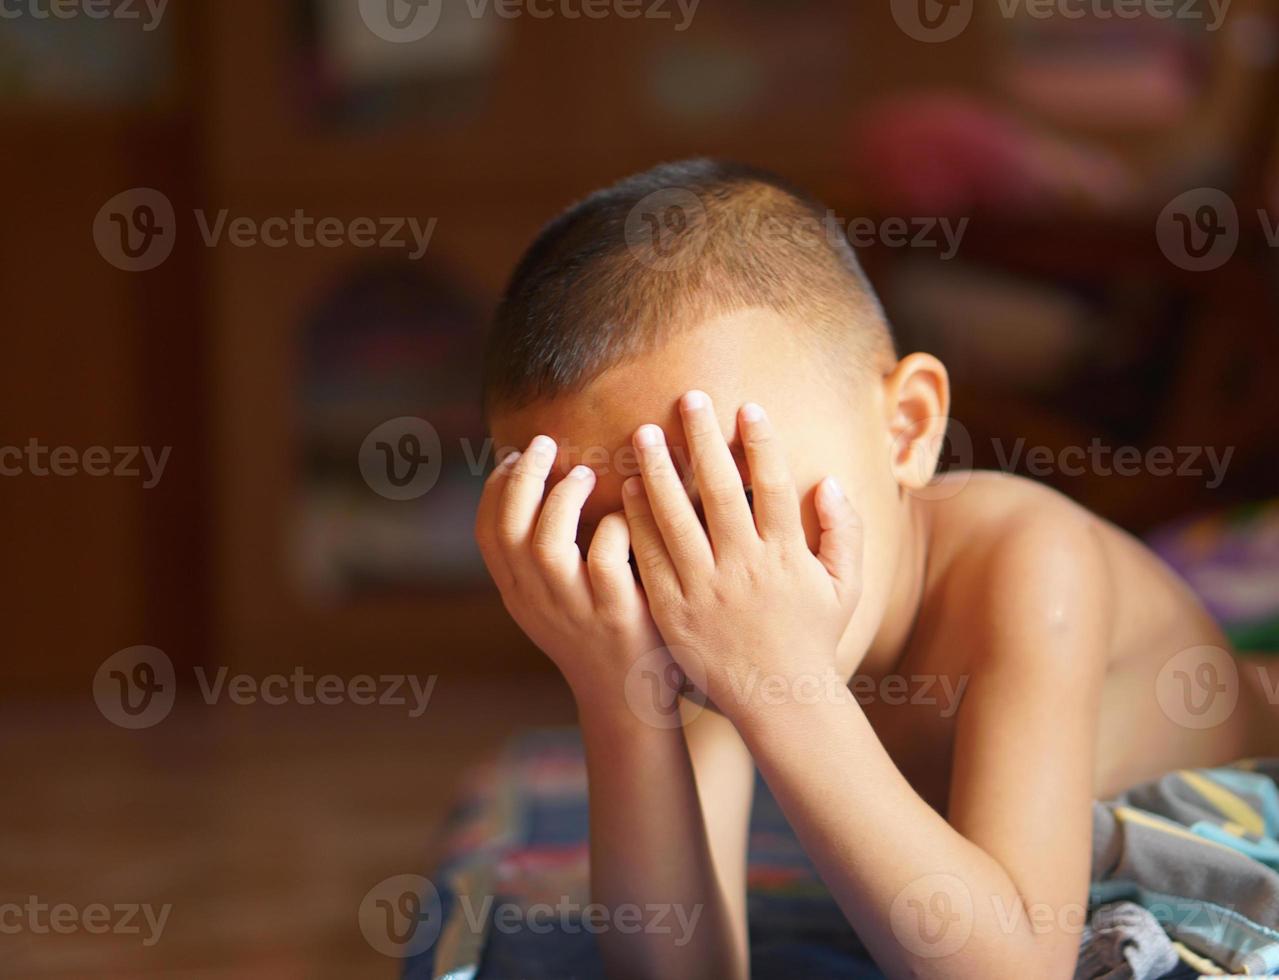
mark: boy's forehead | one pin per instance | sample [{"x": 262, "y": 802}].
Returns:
[{"x": 735, "y": 358}]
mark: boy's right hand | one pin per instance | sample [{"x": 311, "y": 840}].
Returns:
[{"x": 590, "y": 617}]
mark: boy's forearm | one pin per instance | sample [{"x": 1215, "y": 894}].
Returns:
[
  {"x": 649, "y": 847},
  {"x": 889, "y": 859}
]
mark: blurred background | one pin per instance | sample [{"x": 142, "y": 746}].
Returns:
[{"x": 246, "y": 245}]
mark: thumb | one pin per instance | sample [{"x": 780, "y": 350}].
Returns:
[{"x": 841, "y": 542}]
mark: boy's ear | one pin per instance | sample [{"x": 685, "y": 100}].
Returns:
[{"x": 917, "y": 407}]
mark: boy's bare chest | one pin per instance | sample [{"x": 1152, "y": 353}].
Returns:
[{"x": 914, "y": 717}]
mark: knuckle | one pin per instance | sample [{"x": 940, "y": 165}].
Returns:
[
  {"x": 683, "y": 534},
  {"x": 773, "y": 490},
  {"x": 658, "y": 466},
  {"x": 601, "y": 561},
  {"x": 510, "y": 532},
  {"x": 544, "y": 550},
  {"x": 759, "y": 436},
  {"x": 648, "y": 552},
  {"x": 611, "y": 615},
  {"x": 720, "y": 493}
]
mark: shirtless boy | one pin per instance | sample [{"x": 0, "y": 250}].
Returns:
[{"x": 692, "y": 334}]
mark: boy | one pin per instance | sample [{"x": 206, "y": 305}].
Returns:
[{"x": 704, "y": 379}]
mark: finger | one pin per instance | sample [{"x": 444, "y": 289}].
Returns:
[
  {"x": 608, "y": 562},
  {"x": 719, "y": 484},
  {"x": 840, "y": 550},
  {"x": 776, "y": 501},
  {"x": 656, "y": 569},
  {"x": 486, "y": 520},
  {"x": 555, "y": 540},
  {"x": 522, "y": 498},
  {"x": 686, "y": 542}
]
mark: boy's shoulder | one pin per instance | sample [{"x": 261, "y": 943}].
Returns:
[{"x": 1003, "y": 548}]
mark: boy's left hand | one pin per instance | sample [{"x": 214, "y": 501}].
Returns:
[{"x": 747, "y": 606}]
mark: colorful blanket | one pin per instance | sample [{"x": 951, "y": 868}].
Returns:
[{"x": 1195, "y": 852}]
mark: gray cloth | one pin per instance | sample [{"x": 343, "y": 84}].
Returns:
[
  {"x": 1123, "y": 941},
  {"x": 1197, "y": 849}
]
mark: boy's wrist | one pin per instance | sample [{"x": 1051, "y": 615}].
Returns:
[{"x": 759, "y": 697}]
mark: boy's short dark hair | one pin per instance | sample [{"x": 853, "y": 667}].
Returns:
[{"x": 663, "y": 250}]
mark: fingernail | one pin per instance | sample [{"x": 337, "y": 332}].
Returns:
[
  {"x": 511, "y": 458},
  {"x": 649, "y": 436},
  {"x": 695, "y": 400},
  {"x": 833, "y": 489},
  {"x": 752, "y": 412},
  {"x": 542, "y": 447},
  {"x": 633, "y": 487},
  {"x": 581, "y": 473}
]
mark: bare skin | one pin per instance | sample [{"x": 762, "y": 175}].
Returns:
[{"x": 1047, "y": 638}]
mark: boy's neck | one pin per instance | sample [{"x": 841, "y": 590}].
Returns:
[{"x": 906, "y": 593}]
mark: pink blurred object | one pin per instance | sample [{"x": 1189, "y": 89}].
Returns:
[{"x": 949, "y": 154}]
